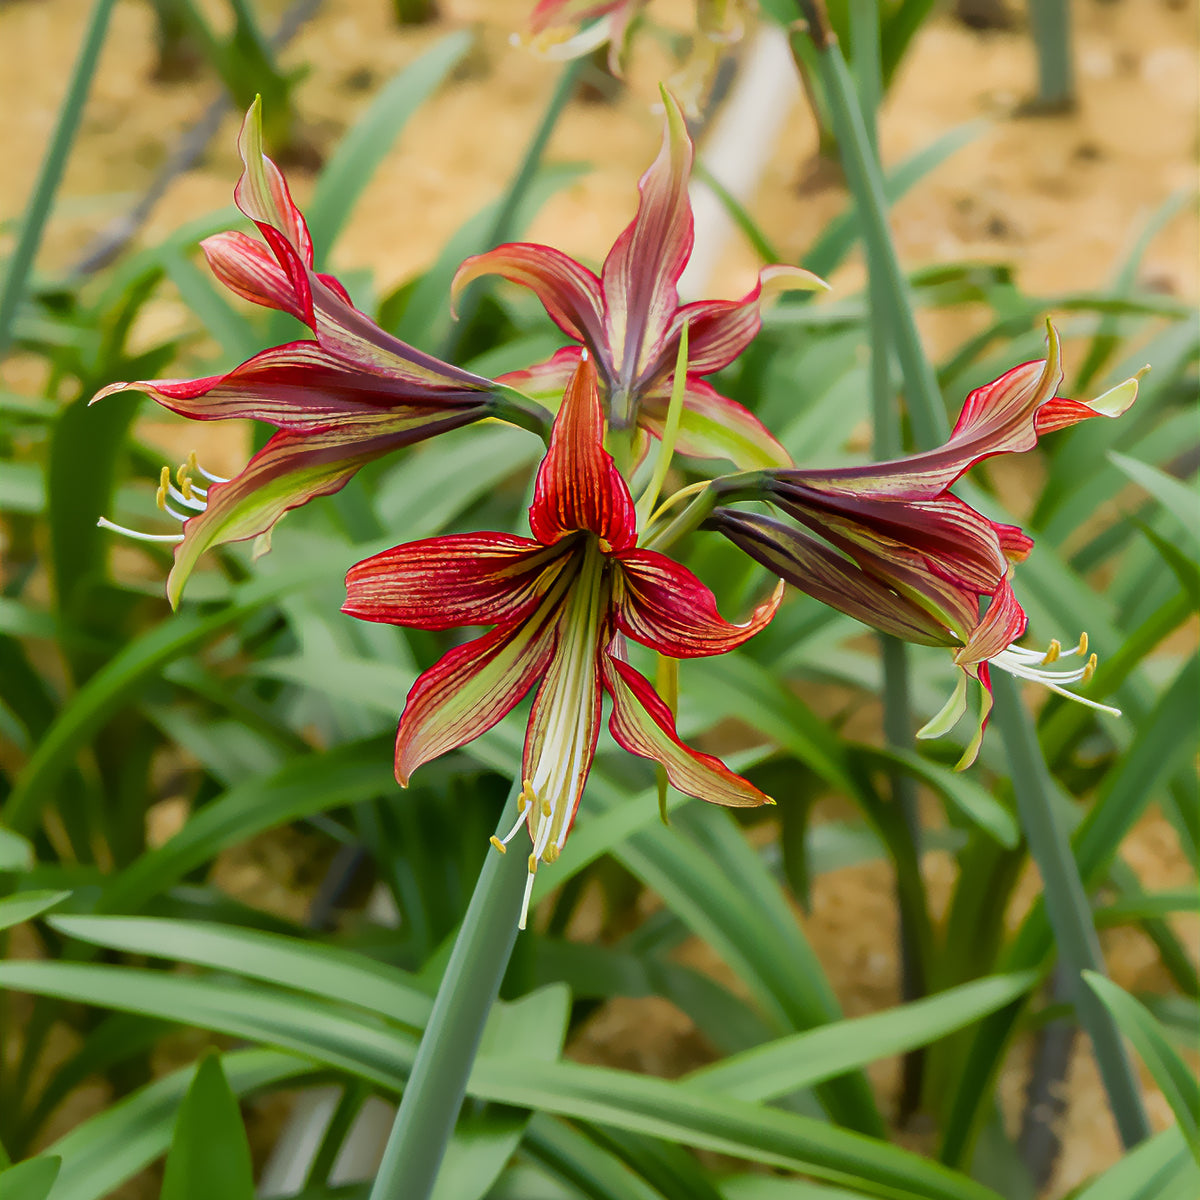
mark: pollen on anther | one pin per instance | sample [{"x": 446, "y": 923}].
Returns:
[
  {"x": 533, "y": 862},
  {"x": 498, "y": 844},
  {"x": 1083, "y": 643},
  {"x": 1090, "y": 669},
  {"x": 164, "y": 482},
  {"x": 1053, "y": 652},
  {"x": 547, "y": 809},
  {"x": 550, "y": 854}
]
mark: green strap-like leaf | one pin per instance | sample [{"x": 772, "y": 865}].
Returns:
[
  {"x": 789, "y": 1064},
  {"x": 209, "y": 1155},
  {"x": 100, "y": 1154},
  {"x": 30, "y": 1180},
  {"x": 1170, "y": 1072},
  {"x": 363, "y": 147},
  {"x": 24, "y": 906}
]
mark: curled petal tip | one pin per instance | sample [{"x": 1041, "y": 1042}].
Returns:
[
  {"x": 1119, "y": 399},
  {"x": 781, "y": 278},
  {"x": 110, "y": 390}
]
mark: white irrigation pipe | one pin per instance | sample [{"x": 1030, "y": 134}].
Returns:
[{"x": 737, "y": 148}]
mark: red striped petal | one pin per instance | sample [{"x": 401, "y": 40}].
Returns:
[
  {"x": 664, "y": 606},
  {"x": 570, "y": 293},
  {"x": 996, "y": 630},
  {"x": 471, "y": 688},
  {"x": 642, "y": 269},
  {"x": 578, "y": 487},
  {"x": 248, "y": 268},
  {"x": 1004, "y": 416},
  {"x": 719, "y": 330},
  {"x": 878, "y": 600},
  {"x": 546, "y": 382},
  {"x": 643, "y": 725},
  {"x": 262, "y": 192},
  {"x": 302, "y": 386},
  {"x": 955, "y": 540},
  {"x": 444, "y": 582},
  {"x": 291, "y": 469},
  {"x": 353, "y": 337}
]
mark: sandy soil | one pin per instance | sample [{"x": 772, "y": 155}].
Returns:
[{"x": 1060, "y": 198}]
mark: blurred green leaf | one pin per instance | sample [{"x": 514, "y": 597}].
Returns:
[
  {"x": 1173, "y": 1076},
  {"x": 22, "y": 489},
  {"x": 315, "y": 969},
  {"x": 1178, "y": 498},
  {"x": 24, "y": 906},
  {"x": 364, "y": 146},
  {"x": 105, "y": 1150},
  {"x": 112, "y": 686},
  {"x": 209, "y": 1154},
  {"x": 306, "y": 785},
  {"x": 973, "y": 800},
  {"x": 788, "y": 1064},
  {"x": 30, "y": 1180},
  {"x": 16, "y": 852},
  {"x": 1152, "y": 1171}
]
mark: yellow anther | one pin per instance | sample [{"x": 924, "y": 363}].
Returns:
[
  {"x": 547, "y": 810},
  {"x": 522, "y": 802},
  {"x": 1089, "y": 670},
  {"x": 550, "y": 853},
  {"x": 1083, "y": 643},
  {"x": 605, "y": 545},
  {"x": 164, "y": 482},
  {"x": 533, "y": 864},
  {"x": 185, "y": 485},
  {"x": 498, "y": 844},
  {"x": 1053, "y": 651}
]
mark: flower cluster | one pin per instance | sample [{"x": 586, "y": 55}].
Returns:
[
  {"x": 888, "y": 543},
  {"x": 563, "y": 29}
]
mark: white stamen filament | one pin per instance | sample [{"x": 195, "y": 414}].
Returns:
[
  {"x": 137, "y": 535},
  {"x": 186, "y": 494},
  {"x": 1034, "y": 665},
  {"x": 194, "y": 502}
]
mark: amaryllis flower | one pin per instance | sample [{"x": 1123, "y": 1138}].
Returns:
[
  {"x": 563, "y": 29},
  {"x": 896, "y": 549},
  {"x": 630, "y": 319},
  {"x": 556, "y": 33},
  {"x": 562, "y": 604},
  {"x": 341, "y": 400}
]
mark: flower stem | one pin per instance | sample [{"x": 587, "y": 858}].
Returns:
[
  {"x": 435, "y": 1090},
  {"x": 41, "y": 201},
  {"x": 887, "y": 443},
  {"x": 1067, "y": 907},
  {"x": 1050, "y": 22},
  {"x": 1066, "y": 901},
  {"x": 744, "y": 485}
]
